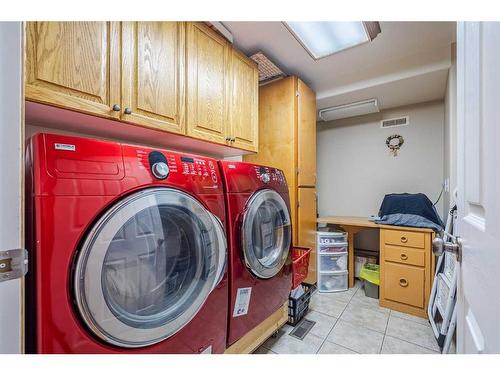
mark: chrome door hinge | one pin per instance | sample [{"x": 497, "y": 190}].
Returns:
[{"x": 13, "y": 264}]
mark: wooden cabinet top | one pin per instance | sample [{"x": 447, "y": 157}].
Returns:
[{"x": 359, "y": 221}]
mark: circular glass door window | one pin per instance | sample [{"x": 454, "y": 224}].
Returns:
[
  {"x": 266, "y": 233},
  {"x": 147, "y": 267}
]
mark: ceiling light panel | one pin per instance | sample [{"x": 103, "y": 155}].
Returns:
[{"x": 322, "y": 39}]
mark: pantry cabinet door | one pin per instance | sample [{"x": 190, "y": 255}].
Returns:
[
  {"x": 207, "y": 87},
  {"x": 153, "y": 74},
  {"x": 244, "y": 105},
  {"x": 306, "y": 226},
  {"x": 75, "y": 65},
  {"x": 306, "y": 143}
]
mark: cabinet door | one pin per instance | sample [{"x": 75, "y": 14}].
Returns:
[
  {"x": 153, "y": 74},
  {"x": 244, "y": 105},
  {"x": 306, "y": 225},
  {"x": 306, "y": 146},
  {"x": 207, "y": 87},
  {"x": 75, "y": 65}
]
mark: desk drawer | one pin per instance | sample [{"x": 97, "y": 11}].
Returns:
[
  {"x": 404, "y": 255},
  {"x": 404, "y": 284},
  {"x": 404, "y": 238}
]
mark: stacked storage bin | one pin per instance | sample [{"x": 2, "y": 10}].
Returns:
[{"x": 332, "y": 262}]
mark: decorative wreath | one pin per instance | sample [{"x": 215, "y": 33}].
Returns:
[{"x": 394, "y": 147}]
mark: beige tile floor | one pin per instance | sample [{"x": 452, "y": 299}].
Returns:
[{"x": 350, "y": 323}]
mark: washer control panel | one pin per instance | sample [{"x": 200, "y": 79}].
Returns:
[
  {"x": 163, "y": 164},
  {"x": 199, "y": 168},
  {"x": 159, "y": 165}
]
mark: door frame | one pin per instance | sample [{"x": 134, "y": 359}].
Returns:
[{"x": 12, "y": 182}]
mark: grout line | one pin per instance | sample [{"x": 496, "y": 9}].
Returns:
[
  {"x": 345, "y": 347},
  {"x": 385, "y": 332},
  {"x": 411, "y": 320},
  {"x": 409, "y": 342}
]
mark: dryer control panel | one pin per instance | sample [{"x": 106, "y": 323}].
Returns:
[{"x": 267, "y": 175}]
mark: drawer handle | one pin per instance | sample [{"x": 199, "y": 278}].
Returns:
[
  {"x": 404, "y": 257},
  {"x": 403, "y": 282},
  {"x": 404, "y": 239}
]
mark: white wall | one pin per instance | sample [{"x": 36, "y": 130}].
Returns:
[
  {"x": 11, "y": 191},
  {"x": 450, "y": 130},
  {"x": 356, "y": 170}
]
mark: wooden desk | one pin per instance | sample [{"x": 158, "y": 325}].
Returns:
[{"x": 415, "y": 251}]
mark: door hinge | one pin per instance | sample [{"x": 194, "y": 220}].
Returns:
[
  {"x": 297, "y": 171},
  {"x": 297, "y": 93},
  {"x": 13, "y": 264},
  {"x": 298, "y": 204}
]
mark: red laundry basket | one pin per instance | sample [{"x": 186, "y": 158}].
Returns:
[{"x": 300, "y": 264}]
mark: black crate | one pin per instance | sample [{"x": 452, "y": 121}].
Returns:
[{"x": 297, "y": 307}]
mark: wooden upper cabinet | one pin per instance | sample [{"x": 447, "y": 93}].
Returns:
[
  {"x": 178, "y": 77},
  {"x": 306, "y": 145},
  {"x": 153, "y": 74},
  {"x": 207, "y": 86},
  {"x": 74, "y": 65},
  {"x": 244, "y": 121}
]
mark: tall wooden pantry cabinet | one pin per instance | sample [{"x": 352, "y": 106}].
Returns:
[{"x": 287, "y": 140}]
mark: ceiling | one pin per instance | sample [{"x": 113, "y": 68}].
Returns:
[{"x": 406, "y": 63}]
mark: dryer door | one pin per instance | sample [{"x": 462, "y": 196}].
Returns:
[
  {"x": 147, "y": 267},
  {"x": 266, "y": 233}
]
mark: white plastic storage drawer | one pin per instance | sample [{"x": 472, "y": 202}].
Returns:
[
  {"x": 332, "y": 262},
  {"x": 331, "y": 237},
  {"x": 340, "y": 247},
  {"x": 332, "y": 282}
]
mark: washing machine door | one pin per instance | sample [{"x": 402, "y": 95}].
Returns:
[
  {"x": 266, "y": 233},
  {"x": 147, "y": 266}
]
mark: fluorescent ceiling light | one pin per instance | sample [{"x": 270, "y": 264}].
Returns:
[
  {"x": 322, "y": 39},
  {"x": 363, "y": 107}
]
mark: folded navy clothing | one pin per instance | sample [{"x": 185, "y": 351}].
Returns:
[
  {"x": 408, "y": 220},
  {"x": 411, "y": 210}
]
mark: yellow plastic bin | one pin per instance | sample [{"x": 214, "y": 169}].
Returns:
[{"x": 370, "y": 273}]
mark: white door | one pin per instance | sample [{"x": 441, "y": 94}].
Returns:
[
  {"x": 478, "y": 94},
  {"x": 11, "y": 150}
]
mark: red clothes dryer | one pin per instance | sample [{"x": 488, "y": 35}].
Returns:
[
  {"x": 259, "y": 239},
  {"x": 127, "y": 249}
]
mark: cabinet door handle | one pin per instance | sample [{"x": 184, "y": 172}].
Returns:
[
  {"x": 403, "y": 282},
  {"x": 404, "y": 239},
  {"x": 404, "y": 257},
  {"x": 128, "y": 111},
  {"x": 116, "y": 108},
  {"x": 228, "y": 139}
]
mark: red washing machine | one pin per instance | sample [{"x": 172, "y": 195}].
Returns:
[
  {"x": 127, "y": 249},
  {"x": 259, "y": 238}
]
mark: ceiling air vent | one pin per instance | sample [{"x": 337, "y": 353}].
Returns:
[
  {"x": 360, "y": 108},
  {"x": 268, "y": 71},
  {"x": 392, "y": 122}
]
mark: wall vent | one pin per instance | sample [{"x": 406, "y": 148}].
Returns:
[
  {"x": 393, "y": 122},
  {"x": 268, "y": 71}
]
